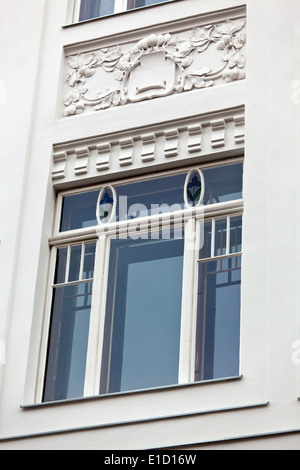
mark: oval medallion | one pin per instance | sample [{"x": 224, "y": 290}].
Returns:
[{"x": 194, "y": 188}]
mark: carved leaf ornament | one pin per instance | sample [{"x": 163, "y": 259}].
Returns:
[{"x": 227, "y": 37}]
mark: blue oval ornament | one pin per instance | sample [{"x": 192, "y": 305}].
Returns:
[
  {"x": 106, "y": 205},
  {"x": 194, "y": 188}
]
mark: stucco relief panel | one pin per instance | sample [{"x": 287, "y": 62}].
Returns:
[{"x": 157, "y": 65}]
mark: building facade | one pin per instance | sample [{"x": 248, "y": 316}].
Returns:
[{"x": 150, "y": 257}]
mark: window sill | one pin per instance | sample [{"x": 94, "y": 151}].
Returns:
[{"x": 132, "y": 392}]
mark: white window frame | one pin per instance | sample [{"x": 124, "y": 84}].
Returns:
[
  {"x": 102, "y": 235},
  {"x": 120, "y": 7}
]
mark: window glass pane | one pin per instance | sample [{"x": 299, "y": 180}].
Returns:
[
  {"x": 143, "y": 315},
  {"x": 236, "y": 234},
  {"x": 131, "y": 4},
  {"x": 89, "y": 261},
  {"x": 75, "y": 258},
  {"x": 67, "y": 349},
  {"x": 61, "y": 262},
  {"x": 218, "y": 321},
  {"x": 79, "y": 211},
  {"x": 94, "y": 8},
  {"x": 220, "y": 237},
  {"x": 150, "y": 197},
  {"x": 205, "y": 240},
  {"x": 223, "y": 183}
]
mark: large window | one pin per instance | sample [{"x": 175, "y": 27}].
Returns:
[
  {"x": 88, "y": 9},
  {"x": 146, "y": 284}
]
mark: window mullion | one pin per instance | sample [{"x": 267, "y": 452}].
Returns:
[
  {"x": 120, "y": 5},
  {"x": 188, "y": 315},
  {"x": 94, "y": 353}
]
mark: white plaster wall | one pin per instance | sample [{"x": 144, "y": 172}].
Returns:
[
  {"x": 265, "y": 399},
  {"x": 20, "y": 40}
]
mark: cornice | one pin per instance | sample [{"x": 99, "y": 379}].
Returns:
[{"x": 194, "y": 139}]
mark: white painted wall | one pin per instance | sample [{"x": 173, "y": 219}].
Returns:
[{"x": 265, "y": 399}]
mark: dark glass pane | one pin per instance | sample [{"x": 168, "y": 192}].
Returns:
[
  {"x": 142, "y": 3},
  {"x": 218, "y": 321},
  {"x": 89, "y": 261},
  {"x": 224, "y": 183},
  {"x": 143, "y": 315},
  {"x": 236, "y": 234},
  {"x": 205, "y": 240},
  {"x": 95, "y": 8},
  {"x": 65, "y": 373},
  {"x": 220, "y": 237},
  {"x": 61, "y": 262},
  {"x": 75, "y": 258},
  {"x": 150, "y": 197},
  {"x": 79, "y": 211}
]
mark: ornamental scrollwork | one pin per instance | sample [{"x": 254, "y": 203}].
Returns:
[{"x": 150, "y": 59}]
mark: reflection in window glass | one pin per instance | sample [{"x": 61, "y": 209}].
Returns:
[
  {"x": 79, "y": 211},
  {"x": 152, "y": 196},
  {"x": 65, "y": 373},
  {"x": 143, "y": 315},
  {"x": 95, "y": 8},
  {"x": 218, "y": 321},
  {"x": 223, "y": 183}
]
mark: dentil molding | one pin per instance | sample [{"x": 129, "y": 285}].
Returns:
[
  {"x": 186, "y": 142},
  {"x": 156, "y": 65}
]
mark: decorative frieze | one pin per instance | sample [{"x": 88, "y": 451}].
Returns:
[
  {"x": 218, "y": 133},
  {"x": 104, "y": 152},
  {"x": 109, "y": 73},
  {"x": 148, "y": 147},
  {"x": 82, "y": 160},
  {"x": 171, "y": 145},
  {"x": 194, "y": 138}
]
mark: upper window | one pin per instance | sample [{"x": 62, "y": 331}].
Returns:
[
  {"x": 88, "y": 9},
  {"x": 146, "y": 277}
]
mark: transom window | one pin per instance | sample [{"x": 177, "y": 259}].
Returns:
[
  {"x": 139, "y": 267},
  {"x": 89, "y": 9}
]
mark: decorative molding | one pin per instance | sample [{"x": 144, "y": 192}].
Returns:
[
  {"x": 60, "y": 161},
  {"x": 240, "y": 129},
  {"x": 194, "y": 139},
  {"x": 148, "y": 147},
  {"x": 126, "y": 152},
  {"x": 104, "y": 152},
  {"x": 218, "y": 133},
  {"x": 171, "y": 145},
  {"x": 155, "y": 66},
  {"x": 82, "y": 159}
]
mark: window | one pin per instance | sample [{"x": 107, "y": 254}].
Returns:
[
  {"x": 88, "y": 9},
  {"x": 139, "y": 268}
]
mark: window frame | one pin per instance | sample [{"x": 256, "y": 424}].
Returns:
[
  {"x": 103, "y": 235},
  {"x": 120, "y": 7}
]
